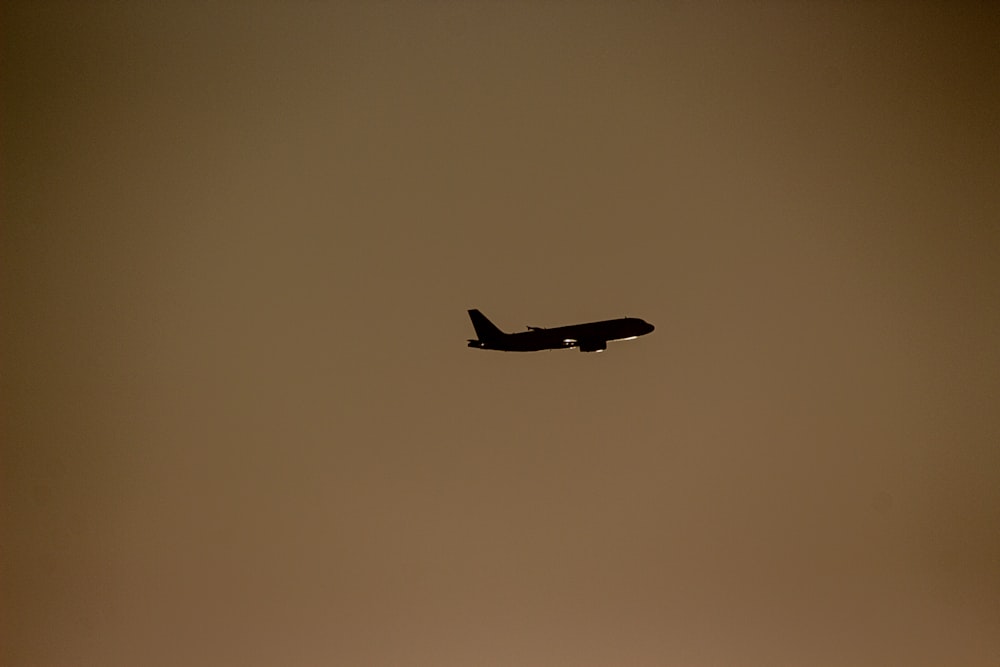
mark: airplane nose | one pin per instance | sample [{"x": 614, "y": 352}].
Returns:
[{"x": 649, "y": 327}]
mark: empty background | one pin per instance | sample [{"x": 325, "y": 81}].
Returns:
[{"x": 240, "y": 423}]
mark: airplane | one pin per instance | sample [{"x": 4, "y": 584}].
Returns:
[{"x": 589, "y": 337}]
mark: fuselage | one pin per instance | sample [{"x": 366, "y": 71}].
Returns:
[{"x": 590, "y": 336}]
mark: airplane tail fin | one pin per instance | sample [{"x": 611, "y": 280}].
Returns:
[{"x": 485, "y": 329}]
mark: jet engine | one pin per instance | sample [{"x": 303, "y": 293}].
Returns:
[{"x": 593, "y": 345}]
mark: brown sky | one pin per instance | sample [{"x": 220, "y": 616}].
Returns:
[{"x": 240, "y": 422}]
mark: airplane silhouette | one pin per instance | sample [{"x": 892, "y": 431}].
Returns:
[{"x": 589, "y": 337}]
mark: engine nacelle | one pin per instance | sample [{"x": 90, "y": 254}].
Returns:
[{"x": 593, "y": 345}]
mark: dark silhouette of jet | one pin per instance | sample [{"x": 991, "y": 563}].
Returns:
[{"x": 589, "y": 337}]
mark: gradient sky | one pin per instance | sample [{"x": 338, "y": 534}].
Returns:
[{"x": 240, "y": 422}]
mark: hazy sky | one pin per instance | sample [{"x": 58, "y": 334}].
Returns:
[{"x": 240, "y": 422}]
